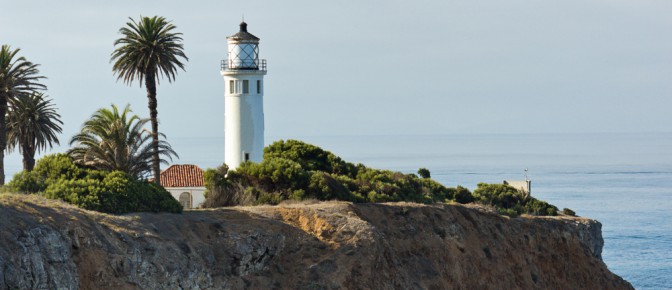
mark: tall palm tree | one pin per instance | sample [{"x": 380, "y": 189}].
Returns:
[
  {"x": 113, "y": 140},
  {"x": 17, "y": 77},
  {"x": 149, "y": 49},
  {"x": 32, "y": 125}
]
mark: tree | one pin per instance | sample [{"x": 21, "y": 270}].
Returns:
[
  {"x": 17, "y": 77},
  {"x": 149, "y": 49},
  {"x": 32, "y": 125},
  {"x": 424, "y": 173},
  {"x": 111, "y": 140}
]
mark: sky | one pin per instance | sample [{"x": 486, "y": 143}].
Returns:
[{"x": 374, "y": 67}]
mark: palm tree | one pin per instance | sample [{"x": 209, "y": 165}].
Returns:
[
  {"x": 32, "y": 125},
  {"x": 17, "y": 77},
  {"x": 149, "y": 49},
  {"x": 111, "y": 140}
]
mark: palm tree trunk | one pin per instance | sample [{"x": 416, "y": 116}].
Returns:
[
  {"x": 28, "y": 158},
  {"x": 150, "y": 84},
  {"x": 3, "y": 136}
]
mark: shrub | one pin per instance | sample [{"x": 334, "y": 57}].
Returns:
[
  {"x": 568, "y": 212},
  {"x": 435, "y": 190},
  {"x": 214, "y": 178},
  {"x": 462, "y": 195},
  {"x": 424, "y": 173},
  {"x": 310, "y": 157},
  {"x": 25, "y": 182},
  {"x": 539, "y": 207},
  {"x": 393, "y": 186},
  {"x": 114, "y": 192},
  {"x": 274, "y": 174},
  {"x": 510, "y": 212},
  {"x": 111, "y": 192},
  {"x": 323, "y": 186},
  {"x": 506, "y": 198},
  {"x": 296, "y": 170},
  {"x": 47, "y": 170},
  {"x": 498, "y": 195},
  {"x": 264, "y": 197},
  {"x": 56, "y": 166}
]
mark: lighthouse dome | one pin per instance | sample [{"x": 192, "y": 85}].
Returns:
[{"x": 243, "y": 35}]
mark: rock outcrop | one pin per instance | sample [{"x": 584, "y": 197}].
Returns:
[{"x": 335, "y": 245}]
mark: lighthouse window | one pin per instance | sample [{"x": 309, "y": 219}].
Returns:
[
  {"x": 231, "y": 86},
  {"x": 258, "y": 87},
  {"x": 246, "y": 87}
]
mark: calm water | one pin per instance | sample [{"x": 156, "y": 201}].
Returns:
[{"x": 622, "y": 180}]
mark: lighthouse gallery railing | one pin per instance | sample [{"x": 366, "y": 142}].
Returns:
[{"x": 257, "y": 64}]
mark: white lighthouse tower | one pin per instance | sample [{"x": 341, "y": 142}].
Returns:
[{"x": 243, "y": 74}]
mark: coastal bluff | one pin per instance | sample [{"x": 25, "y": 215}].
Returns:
[{"x": 47, "y": 244}]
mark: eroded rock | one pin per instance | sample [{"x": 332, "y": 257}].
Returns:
[{"x": 333, "y": 245}]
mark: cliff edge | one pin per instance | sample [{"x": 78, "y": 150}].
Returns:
[{"x": 47, "y": 244}]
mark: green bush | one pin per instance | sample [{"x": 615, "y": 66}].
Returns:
[
  {"x": 114, "y": 192},
  {"x": 57, "y": 177},
  {"x": 47, "y": 170},
  {"x": 323, "y": 186},
  {"x": 278, "y": 178},
  {"x": 424, "y": 173},
  {"x": 310, "y": 157},
  {"x": 296, "y": 170},
  {"x": 510, "y": 212},
  {"x": 394, "y": 186},
  {"x": 498, "y": 195},
  {"x": 435, "y": 190},
  {"x": 507, "y": 199},
  {"x": 56, "y": 166},
  {"x": 462, "y": 195},
  {"x": 25, "y": 182},
  {"x": 275, "y": 174},
  {"x": 539, "y": 207},
  {"x": 227, "y": 188},
  {"x": 568, "y": 212}
]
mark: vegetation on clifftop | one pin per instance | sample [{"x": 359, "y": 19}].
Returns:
[
  {"x": 294, "y": 170},
  {"x": 297, "y": 170},
  {"x": 58, "y": 177},
  {"x": 509, "y": 201}
]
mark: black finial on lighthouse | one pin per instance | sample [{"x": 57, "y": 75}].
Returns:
[{"x": 243, "y": 34}]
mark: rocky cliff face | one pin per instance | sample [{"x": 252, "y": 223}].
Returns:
[{"x": 336, "y": 245}]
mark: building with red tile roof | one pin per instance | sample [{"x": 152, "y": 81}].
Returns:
[
  {"x": 182, "y": 175},
  {"x": 186, "y": 183}
]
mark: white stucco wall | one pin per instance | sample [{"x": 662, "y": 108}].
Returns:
[
  {"x": 521, "y": 185},
  {"x": 197, "y": 197},
  {"x": 243, "y": 117}
]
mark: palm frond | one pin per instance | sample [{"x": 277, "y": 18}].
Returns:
[
  {"x": 117, "y": 140},
  {"x": 32, "y": 123},
  {"x": 148, "y": 47}
]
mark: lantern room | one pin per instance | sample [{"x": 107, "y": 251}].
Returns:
[{"x": 243, "y": 49}]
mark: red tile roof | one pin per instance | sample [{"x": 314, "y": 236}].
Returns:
[{"x": 182, "y": 175}]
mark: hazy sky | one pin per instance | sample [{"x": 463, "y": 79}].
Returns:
[{"x": 375, "y": 67}]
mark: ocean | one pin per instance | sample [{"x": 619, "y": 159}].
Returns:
[{"x": 622, "y": 180}]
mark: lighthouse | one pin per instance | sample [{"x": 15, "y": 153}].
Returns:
[{"x": 243, "y": 74}]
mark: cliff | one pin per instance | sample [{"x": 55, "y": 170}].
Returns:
[{"x": 335, "y": 245}]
